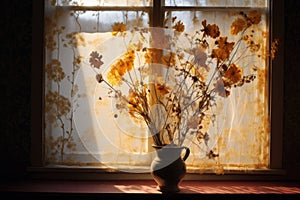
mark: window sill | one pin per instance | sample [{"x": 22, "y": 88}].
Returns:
[
  {"x": 77, "y": 188},
  {"x": 104, "y": 174}
]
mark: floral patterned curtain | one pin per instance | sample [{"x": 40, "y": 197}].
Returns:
[{"x": 82, "y": 127}]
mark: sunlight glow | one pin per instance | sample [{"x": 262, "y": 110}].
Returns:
[{"x": 83, "y": 129}]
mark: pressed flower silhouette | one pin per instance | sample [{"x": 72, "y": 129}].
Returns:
[{"x": 95, "y": 59}]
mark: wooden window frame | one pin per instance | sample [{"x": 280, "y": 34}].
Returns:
[{"x": 37, "y": 167}]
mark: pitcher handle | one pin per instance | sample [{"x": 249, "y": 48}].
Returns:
[{"x": 187, "y": 153}]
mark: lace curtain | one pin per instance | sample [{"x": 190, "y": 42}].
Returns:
[{"x": 83, "y": 130}]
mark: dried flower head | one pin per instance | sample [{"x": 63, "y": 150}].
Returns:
[
  {"x": 238, "y": 25},
  {"x": 118, "y": 27},
  {"x": 254, "y": 16},
  {"x": 211, "y": 30},
  {"x": 120, "y": 67},
  {"x": 179, "y": 26},
  {"x": 233, "y": 74},
  {"x": 224, "y": 49}
]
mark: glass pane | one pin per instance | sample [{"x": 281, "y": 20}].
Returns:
[
  {"x": 101, "y": 21},
  {"x": 217, "y": 3},
  {"x": 241, "y": 132},
  {"x": 103, "y": 2},
  {"x": 72, "y": 134}
]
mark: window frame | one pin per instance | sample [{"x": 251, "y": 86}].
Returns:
[{"x": 37, "y": 166}]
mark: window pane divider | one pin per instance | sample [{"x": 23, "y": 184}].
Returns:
[
  {"x": 164, "y": 8},
  {"x": 209, "y": 8},
  {"x": 107, "y": 8}
]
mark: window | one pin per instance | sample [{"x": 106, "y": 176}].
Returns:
[{"x": 71, "y": 127}]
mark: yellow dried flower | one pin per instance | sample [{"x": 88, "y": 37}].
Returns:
[
  {"x": 118, "y": 27},
  {"x": 114, "y": 77},
  {"x": 120, "y": 68},
  {"x": 134, "y": 103}
]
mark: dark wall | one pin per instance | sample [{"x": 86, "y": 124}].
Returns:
[
  {"x": 15, "y": 79},
  {"x": 292, "y": 89},
  {"x": 16, "y": 75}
]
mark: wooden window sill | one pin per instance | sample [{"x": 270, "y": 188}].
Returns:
[{"x": 147, "y": 187}]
